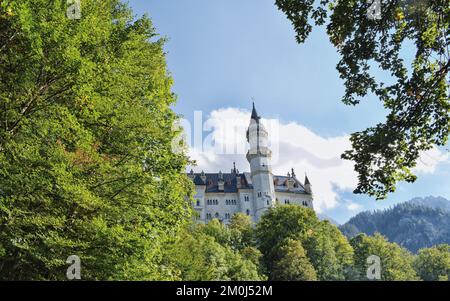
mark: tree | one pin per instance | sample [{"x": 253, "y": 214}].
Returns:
[
  {"x": 242, "y": 227},
  {"x": 395, "y": 262},
  {"x": 433, "y": 264},
  {"x": 197, "y": 255},
  {"x": 327, "y": 249},
  {"x": 86, "y": 160},
  {"x": 416, "y": 95},
  {"x": 293, "y": 263}
]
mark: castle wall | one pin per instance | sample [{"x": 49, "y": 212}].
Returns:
[{"x": 215, "y": 205}]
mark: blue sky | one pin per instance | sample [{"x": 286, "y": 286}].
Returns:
[{"x": 223, "y": 53}]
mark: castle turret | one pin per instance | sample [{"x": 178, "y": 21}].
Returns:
[
  {"x": 220, "y": 181},
  {"x": 259, "y": 156},
  {"x": 308, "y": 186}
]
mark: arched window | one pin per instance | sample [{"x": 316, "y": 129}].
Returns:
[
  {"x": 248, "y": 211},
  {"x": 198, "y": 202},
  {"x": 216, "y": 215}
]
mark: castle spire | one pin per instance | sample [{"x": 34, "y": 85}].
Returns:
[
  {"x": 307, "y": 180},
  {"x": 254, "y": 113}
]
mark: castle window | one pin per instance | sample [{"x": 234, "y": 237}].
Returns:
[
  {"x": 198, "y": 202},
  {"x": 287, "y": 202},
  {"x": 267, "y": 202},
  {"x": 227, "y": 215},
  {"x": 208, "y": 215},
  {"x": 216, "y": 215},
  {"x": 246, "y": 198},
  {"x": 259, "y": 194},
  {"x": 247, "y": 211}
]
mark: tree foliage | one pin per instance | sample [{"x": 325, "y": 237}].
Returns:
[
  {"x": 396, "y": 262},
  {"x": 328, "y": 250},
  {"x": 414, "y": 92},
  {"x": 86, "y": 164},
  {"x": 205, "y": 252},
  {"x": 433, "y": 264},
  {"x": 293, "y": 263}
]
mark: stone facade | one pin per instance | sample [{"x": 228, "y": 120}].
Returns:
[{"x": 220, "y": 195}]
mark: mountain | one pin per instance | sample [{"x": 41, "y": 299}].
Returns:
[
  {"x": 418, "y": 223},
  {"x": 323, "y": 217},
  {"x": 433, "y": 202}
]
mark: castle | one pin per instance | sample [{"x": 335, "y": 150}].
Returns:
[{"x": 220, "y": 195}]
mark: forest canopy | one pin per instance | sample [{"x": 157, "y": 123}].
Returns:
[{"x": 86, "y": 161}]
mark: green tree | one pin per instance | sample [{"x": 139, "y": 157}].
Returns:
[
  {"x": 86, "y": 131},
  {"x": 396, "y": 262},
  {"x": 241, "y": 226},
  {"x": 293, "y": 263},
  {"x": 196, "y": 255},
  {"x": 327, "y": 249},
  {"x": 220, "y": 232},
  {"x": 254, "y": 255},
  {"x": 415, "y": 93},
  {"x": 433, "y": 264}
]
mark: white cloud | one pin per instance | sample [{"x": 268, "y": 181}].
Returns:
[
  {"x": 429, "y": 160},
  {"x": 352, "y": 206},
  {"x": 293, "y": 146}
]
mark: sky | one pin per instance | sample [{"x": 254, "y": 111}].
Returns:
[{"x": 225, "y": 54}]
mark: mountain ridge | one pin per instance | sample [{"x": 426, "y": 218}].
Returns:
[{"x": 415, "y": 224}]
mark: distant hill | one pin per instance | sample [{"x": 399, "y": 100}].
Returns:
[
  {"x": 433, "y": 202},
  {"x": 418, "y": 223},
  {"x": 323, "y": 217}
]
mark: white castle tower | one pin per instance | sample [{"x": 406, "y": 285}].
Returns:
[
  {"x": 220, "y": 195},
  {"x": 259, "y": 156}
]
